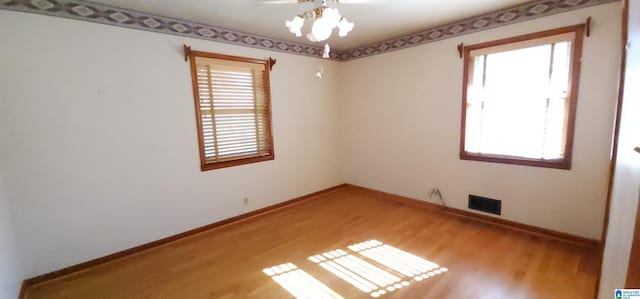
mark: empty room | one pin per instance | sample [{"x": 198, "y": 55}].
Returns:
[{"x": 319, "y": 149}]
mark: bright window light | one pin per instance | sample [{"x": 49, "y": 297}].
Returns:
[
  {"x": 520, "y": 98},
  {"x": 517, "y": 102}
]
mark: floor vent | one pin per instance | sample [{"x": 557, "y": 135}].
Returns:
[{"x": 484, "y": 204}]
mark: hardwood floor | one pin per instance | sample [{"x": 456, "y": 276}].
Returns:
[{"x": 483, "y": 260}]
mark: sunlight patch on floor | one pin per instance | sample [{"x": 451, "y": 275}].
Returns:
[
  {"x": 355, "y": 271},
  {"x": 372, "y": 267},
  {"x": 401, "y": 267},
  {"x": 299, "y": 283},
  {"x": 398, "y": 260}
]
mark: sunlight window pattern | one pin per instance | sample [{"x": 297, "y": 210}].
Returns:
[
  {"x": 299, "y": 283},
  {"x": 398, "y": 260},
  {"x": 374, "y": 279}
]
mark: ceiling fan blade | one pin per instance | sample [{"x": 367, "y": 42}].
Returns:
[{"x": 284, "y": 1}]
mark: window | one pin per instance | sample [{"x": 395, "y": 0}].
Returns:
[
  {"x": 519, "y": 99},
  {"x": 233, "y": 109}
]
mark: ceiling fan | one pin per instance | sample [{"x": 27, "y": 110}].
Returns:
[
  {"x": 311, "y": 1},
  {"x": 324, "y": 19}
]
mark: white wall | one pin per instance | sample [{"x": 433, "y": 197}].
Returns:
[
  {"x": 400, "y": 116},
  {"x": 100, "y": 150},
  {"x": 102, "y": 147},
  {"x": 624, "y": 199},
  {"x": 10, "y": 276}
]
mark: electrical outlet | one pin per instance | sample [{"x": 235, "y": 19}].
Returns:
[{"x": 246, "y": 201}]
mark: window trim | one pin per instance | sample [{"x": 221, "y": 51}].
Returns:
[
  {"x": 268, "y": 64},
  {"x": 574, "y": 79}
]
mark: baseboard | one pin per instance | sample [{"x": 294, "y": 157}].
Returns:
[
  {"x": 23, "y": 289},
  {"x": 162, "y": 242},
  {"x": 533, "y": 230},
  {"x": 530, "y": 229}
]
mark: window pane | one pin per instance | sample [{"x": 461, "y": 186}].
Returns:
[
  {"x": 474, "y": 105},
  {"x": 554, "y": 143},
  {"x": 233, "y": 104},
  {"x": 516, "y": 102}
]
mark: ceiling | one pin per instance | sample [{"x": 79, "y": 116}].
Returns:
[{"x": 374, "y": 21}]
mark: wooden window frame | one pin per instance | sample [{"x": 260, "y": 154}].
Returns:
[
  {"x": 268, "y": 63},
  {"x": 574, "y": 79}
]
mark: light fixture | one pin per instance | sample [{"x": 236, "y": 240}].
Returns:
[
  {"x": 295, "y": 25},
  {"x": 325, "y": 51},
  {"x": 325, "y": 19},
  {"x": 345, "y": 27},
  {"x": 319, "y": 71}
]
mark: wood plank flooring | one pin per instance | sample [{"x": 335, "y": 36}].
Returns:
[{"x": 483, "y": 261}]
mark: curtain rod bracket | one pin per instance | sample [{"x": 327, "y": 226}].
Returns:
[
  {"x": 588, "y": 27},
  {"x": 460, "y": 49},
  {"x": 187, "y": 52},
  {"x": 272, "y": 61}
]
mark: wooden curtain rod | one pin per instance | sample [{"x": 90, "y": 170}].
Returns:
[
  {"x": 587, "y": 32},
  {"x": 187, "y": 54}
]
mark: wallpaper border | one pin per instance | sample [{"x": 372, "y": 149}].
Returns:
[{"x": 103, "y": 14}]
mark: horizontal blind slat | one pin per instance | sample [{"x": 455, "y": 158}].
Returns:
[{"x": 234, "y": 110}]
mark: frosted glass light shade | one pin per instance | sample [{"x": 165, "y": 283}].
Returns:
[
  {"x": 332, "y": 16},
  {"x": 321, "y": 29},
  {"x": 345, "y": 27},
  {"x": 295, "y": 25},
  {"x": 323, "y": 24},
  {"x": 326, "y": 51}
]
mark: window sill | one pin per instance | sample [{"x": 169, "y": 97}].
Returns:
[
  {"x": 236, "y": 162},
  {"x": 557, "y": 164}
]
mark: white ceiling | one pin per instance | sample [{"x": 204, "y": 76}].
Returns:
[{"x": 374, "y": 21}]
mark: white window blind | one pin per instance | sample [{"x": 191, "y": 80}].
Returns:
[
  {"x": 517, "y": 99},
  {"x": 234, "y": 110}
]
